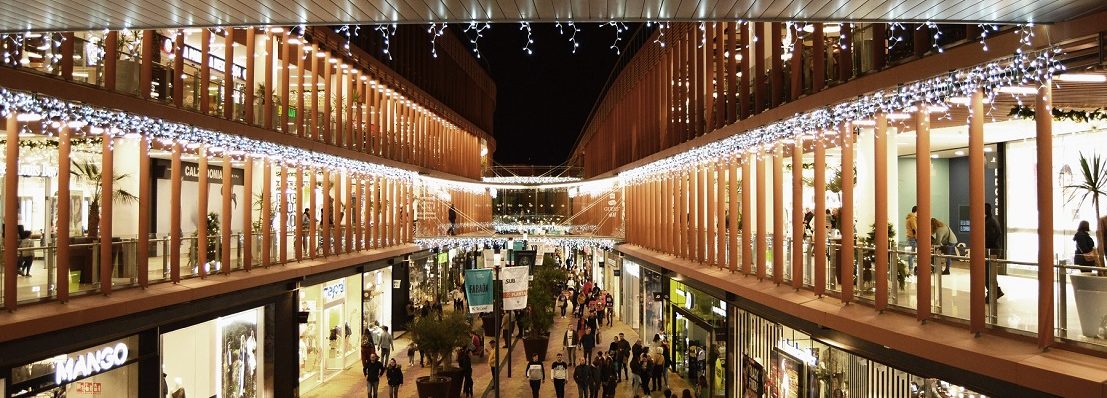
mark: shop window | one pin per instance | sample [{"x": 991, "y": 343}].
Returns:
[
  {"x": 114, "y": 373},
  {"x": 221, "y": 357}
]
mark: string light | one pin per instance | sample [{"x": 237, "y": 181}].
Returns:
[
  {"x": 1022, "y": 69},
  {"x": 894, "y": 39},
  {"x": 528, "y": 180},
  {"x": 478, "y": 29},
  {"x": 526, "y": 46},
  {"x": 661, "y": 26},
  {"x": 937, "y": 36},
  {"x": 984, "y": 33},
  {"x": 349, "y": 33},
  {"x": 619, "y": 28},
  {"x": 703, "y": 34},
  {"x": 435, "y": 31},
  {"x": 468, "y": 242},
  {"x": 572, "y": 37},
  {"x": 386, "y": 31}
]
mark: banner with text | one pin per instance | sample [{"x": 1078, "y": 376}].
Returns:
[
  {"x": 478, "y": 290},
  {"x": 515, "y": 287}
]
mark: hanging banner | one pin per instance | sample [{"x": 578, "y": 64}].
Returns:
[
  {"x": 515, "y": 287},
  {"x": 478, "y": 290}
]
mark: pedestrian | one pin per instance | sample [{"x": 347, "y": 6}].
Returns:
[
  {"x": 588, "y": 342},
  {"x": 944, "y": 240},
  {"x": 993, "y": 244},
  {"x": 386, "y": 344},
  {"x": 614, "y": 352},
  {"x": 493, "y": 360},
  {"x": 624, "y": 351},
  {"x": 411, "y": 349},
  {"x": 597, "y": 376},
  {"x": 505, "y": 328},
  {"x": 395, "y": 378},
  {"x": 645, "y": 367},
  {"x": 1085, "y": 246},
  {"x": 452, "y": 216},
  {"x": 582, "y": 375},
  {"x": 609, "y": 375},
  {"x": 570, "y": 342},
  {"x": 657, "y": 356},
  {"x": 610, "y": 301},
  {"x": 373, "y": 371},
  {"x": 562, "y": 302},
  {"x": 635, "y": 373},
  {"x": 560, "y": 371},
  {"x": 465, "y": 363},
  {"x": 366, "y": 347},
  {"x": 536, "y": 374}
]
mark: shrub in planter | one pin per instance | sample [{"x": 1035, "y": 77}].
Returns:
[
  {"x": 541, "y": 304},
  {"x": 437, "y": 339}
]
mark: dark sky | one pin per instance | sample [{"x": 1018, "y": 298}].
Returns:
[{"x": 543, "y": 99}]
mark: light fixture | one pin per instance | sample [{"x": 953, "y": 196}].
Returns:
[
  {"x": 988, "y": 149},
  {"x": 833, "y": 28},
  {"x": 276, "y": 29},
  {"x": 864, "y": 123},
  {"x": 959, "y": 153},
  {"x": 28, "y": 117},
  {"x": 898, "y": 116},
  {"x": 1017, "y": 90},
  {"x": 933, "y": 156},
  {"x": 1081, "y": 78}
]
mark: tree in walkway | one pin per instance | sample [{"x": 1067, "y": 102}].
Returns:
[{"x": 1093, "y": 185}]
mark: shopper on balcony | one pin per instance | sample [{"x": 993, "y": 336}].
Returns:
[
  {"x": 1085, "y": 246},
  {"x": 993, "y": 243},
  {"x": 452, "y": 215},
  {"x": 944, "y": 240},
  {"x": 912, "y": 228}
]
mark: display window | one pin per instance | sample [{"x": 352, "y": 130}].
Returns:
[
  {"x": 330, "y": 340},
  {"x": 105, "y": 370},
  {"x": 377, "y": 298},
  {"x": 221, "y": 357}
]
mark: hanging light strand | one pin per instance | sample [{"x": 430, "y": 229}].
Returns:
[
  {"x": 619, "y": 28},
  {"x": 386, "y": 31},
  {"x": 530, "y": 40},
  {"x": 435, "y": 31},
  {"x": 478, "y": 29},
  {"x": 572, "y": 37}
]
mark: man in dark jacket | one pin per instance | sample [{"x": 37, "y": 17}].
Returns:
[
  {"x": 582, "y": 375},
  {"x": 615, "y": 354},
  {"x": 993, "y": 233},
  {"x": 597, "y": 375},
  {"x": 608, "y": 375},
  {"x": 373, "y": 371},
  {"x": 452, "y": 216},
  {"x": 624, "y": 350},
  {"x": 588, "y": 342},
  {"x": 466, "y": 364}
]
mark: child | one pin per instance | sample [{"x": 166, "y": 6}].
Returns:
[{"x": 411, "y": 354}]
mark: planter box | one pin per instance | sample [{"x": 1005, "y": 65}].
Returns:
[{"x": 1090, "y": 292}]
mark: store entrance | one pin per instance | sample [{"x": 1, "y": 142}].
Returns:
[
  {"x": 697, "y": 352},
  {"x": 334, "y": 323}
]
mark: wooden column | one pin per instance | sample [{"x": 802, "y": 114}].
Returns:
[
  {"x": 846, "y": 255},
  {"x": 287, "y": 49},
  {"x": 314, "y": 120},
  {"x": 720, "y": 214},
  {"x": 247, "y": 212},
  {"x": 64, "y": 211},
  {"x": 735, "y": 216},
  {"x": 797, "y": 213},
  {"x": 225, "y": 216},
  {"x": 301, "y": 77},
  {"x": 11, "y": 219},
  {"x": 777, "y": 63},
  {"x": 67, "y": 60},
  {"x": 296, "y": 221},
  {"x": 175, "y": 176},
  {"x": 146, "y": 68},
  {"x": 880, "y": 174},
  {"x": 762, "y": 163},
  {"x": 818, "y": 59},
  {"x": 328, "y": 129},
  {"x": 178, "y": 69},
  {"x": 1043, "y": 124},
  {"x": 111, "y": 55},
  {"x": 350, "y": 219},
  {"x": 778, "y": 213},
  {"x": 977, "y": 278},
  {"x": 142, "y": 266},
  {"x": 205, "y": 70},
  {"x": 248, "y": 106},
  {"x": 202, "y": 212},
  {"x": 711, "y": 199},
  {"x": 313, "y": 210},
  {"x": 819, "y": 240},
  {"x": 267, "y": 102},
  {"x": 697, "y": 213},
  {"x": 228, "y": 74},
  {"x": 107, "y": 167},
  {"x": 745, "y": 71},
  {"x": 327, "y": 218},
  {"x": 267, "y": 215},
  {"x": 922, "y": 199},
  {"x": 747, "y": 213}
]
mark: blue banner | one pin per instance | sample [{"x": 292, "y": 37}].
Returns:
[{"x": 478, "y": 290}]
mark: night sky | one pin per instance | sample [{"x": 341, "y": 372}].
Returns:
[{"x": 543, "y": 99}]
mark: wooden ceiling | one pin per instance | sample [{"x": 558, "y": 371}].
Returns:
[{"x": 21, "y": 15}]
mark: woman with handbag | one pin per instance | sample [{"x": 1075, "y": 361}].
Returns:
[{"x": 1085, "y": 246}]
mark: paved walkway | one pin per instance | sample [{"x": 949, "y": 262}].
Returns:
[{"x": 350, "y": 382}]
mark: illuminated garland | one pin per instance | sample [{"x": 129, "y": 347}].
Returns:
[
  {"x": 1075, "y": 115},
  {"x": 473, "y": 242},
  {"x": 1022, "y": 69},
  {"x": 48, "y": 110},
  {"x": 529, "y": 180}
]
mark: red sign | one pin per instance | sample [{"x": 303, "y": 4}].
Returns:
[{"x": 89, "y": 387}]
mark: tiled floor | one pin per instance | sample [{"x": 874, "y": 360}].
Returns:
[{"x": 350, "y": 383}]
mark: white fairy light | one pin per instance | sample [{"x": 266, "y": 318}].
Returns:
[
  {"x": 478, "y": 29},
  {"x": 386, "y": 31},
  {"x": 349, "y": 33},
  {"x": 893, "y": 38},
  {"x": 528, "y": 180},
  {"x": 435, "y": 31},
  {"x": 661, "y": 26},
  {"x": 619, "y": 28},
  {"x": 936, "y": 35},
  {"x": 572, "y": 37},
  {"x": 984, "y": 33},
  {"x": 526, "y": 46},
  {"x": 475, "y": 242}
]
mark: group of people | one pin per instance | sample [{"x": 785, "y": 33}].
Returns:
[
  {"x": 377, "y": 343},
  {"x": 944, "y": 240}
]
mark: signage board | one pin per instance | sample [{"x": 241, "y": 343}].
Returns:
[
  {"x": 515, "y": 283},
  {"x": 478, "y": 290},
  {"x": 98, "y": 360},
  {"x": 334, "y": 291}
]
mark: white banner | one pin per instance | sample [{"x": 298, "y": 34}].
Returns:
[{"x": 515, "y": 281}]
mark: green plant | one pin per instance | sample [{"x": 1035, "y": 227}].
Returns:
[
  {"x": 542, "y": 299},
  {"x": 90, "y": 173},
  {"x": 869, "y": 258},
  {"x": 437, "y": 339},
  {"x": 1093, "y": 184}
]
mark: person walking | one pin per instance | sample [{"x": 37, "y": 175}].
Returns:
[
  {"x": 582, "y": 375},
  {"x": 465, "y": 363},
  {"x": 610, "y": 301},
  {"x": 625, "y": 354},
  {"x": 395, "y": 378},
  {"x": 560, "y": 372},
  {"x": 570, "y": 342},
  {"x": 1085, "y": 246},
  {"x": 490, "y": 352},
  {"x": 536, "y": 374},
  {"x": 657, "y": 357},
  {"x": 452, "y": 215},
  {"x": 614, "y": 352},
  {"x": 386, "y": 344},
  {"x": 597, "y": 376},
  {"x": 911, "y": 228},
  {"x": 588, "y": 342},
  {"x": 373, "y": 371},
  {"x": 563, "y": 303},
  {"x": 609, "y": 375}
]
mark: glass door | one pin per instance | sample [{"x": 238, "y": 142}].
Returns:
[{"x": 333, "y": 321}]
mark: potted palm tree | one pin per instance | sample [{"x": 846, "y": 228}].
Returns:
[
  {"x": 437, "y": 339},
  {"x": 1090, "y": 290},
  {"x": 91, "y": 174},
  {"x": 541, "y": 302}
]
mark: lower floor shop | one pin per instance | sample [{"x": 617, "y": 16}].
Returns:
[{"x": 726, "y": 346}]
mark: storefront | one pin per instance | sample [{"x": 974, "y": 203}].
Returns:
[
  {"x": 699, "y": 336},
  {"x": 630, "y": 308},
  {"x": 221, "y": 357},
  {"x": 108, "y": 369}
]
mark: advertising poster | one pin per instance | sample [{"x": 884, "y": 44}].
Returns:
[
  {"x": 238, "y": 339},
  {"x": 525, "y": 258},
  {"x": 478, "y": 290},
  {"x": 515, "y": 287},
  {"x": 788, "y": 374},
  {"x": 753, "y": 378}
]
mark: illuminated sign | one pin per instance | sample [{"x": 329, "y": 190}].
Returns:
[
  {"x": 334, "y": 291},
  {"x": 194, "y": 55},
  {"x": 791, "y": 348},
  {"x": 90, "y": 363}
]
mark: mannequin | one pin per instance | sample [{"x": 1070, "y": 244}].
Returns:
[{"x": 178, "y": 389}]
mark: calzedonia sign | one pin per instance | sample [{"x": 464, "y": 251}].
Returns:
[{"x": 70, "y": 368}]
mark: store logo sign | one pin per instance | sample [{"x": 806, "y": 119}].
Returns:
[
  {"x": 90, "y": 363},
  {"x": 334, "y": 292},
  {"x": 791, "y": 348}
]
